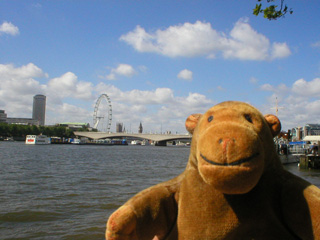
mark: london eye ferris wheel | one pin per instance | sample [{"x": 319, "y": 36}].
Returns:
[{"x": 102, "y": 115}]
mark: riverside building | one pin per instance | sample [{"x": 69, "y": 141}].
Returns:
[
  {"x": 38, "y": 114},
  {"x": 39, "y": 109},
  {"x": 300, "y": 133},
  {"x": 3, "y": 116}
]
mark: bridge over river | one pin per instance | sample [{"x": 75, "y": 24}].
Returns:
[{"x": 161, "y": 139}]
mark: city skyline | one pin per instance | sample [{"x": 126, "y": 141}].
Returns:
[{"x": 38, "y": 113}]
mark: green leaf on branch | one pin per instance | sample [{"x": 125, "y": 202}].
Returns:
[{"x": 272, "y": 12}]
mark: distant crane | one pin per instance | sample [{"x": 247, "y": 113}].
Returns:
[{"x": 277, "y": 107}]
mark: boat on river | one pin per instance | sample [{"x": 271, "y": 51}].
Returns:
[
  {"x": 97, "y": 142},
  {"x": 78, "y": 141},
  {"x": 293, "y": 151},
  {"x": 135, "y": 142},
  {"x": 101, "y": 142},
  {"x": 290, "y": 158},
  {"x": 38, "y": 139}
]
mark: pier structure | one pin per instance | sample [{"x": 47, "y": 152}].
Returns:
[
  {"x": 159, "y": 139},
  {"x": 310, "y": 161}
]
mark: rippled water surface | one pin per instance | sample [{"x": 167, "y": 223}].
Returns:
[{"x": 68, "y": 191}]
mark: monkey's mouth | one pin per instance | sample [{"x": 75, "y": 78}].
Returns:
[{"x": 235, "y": 163}]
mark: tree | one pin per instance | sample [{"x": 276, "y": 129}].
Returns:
[
  {"x": 13, "y": 130},
  {"x": 272, "y": 12},
  {"x": 34, "y": 130},
  {"x": 4, "y": 130}
]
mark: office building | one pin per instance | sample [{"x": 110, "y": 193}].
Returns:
[
  {"x": 299, "y": 133},
  {"x": 119, "y": 127},
  {"x": 39, "y": 109},
  {"x": 3, "y": 116},
  {"x": 23, "y": 121}
]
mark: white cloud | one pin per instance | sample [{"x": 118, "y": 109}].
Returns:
[
  {"x": 297, "y": 104},
  {"x": 135, "y": 96},
  {"x": 9, "y": 28},
  {"x": 19, "y": 79},
  {"x": 66, "y": 112},
  {"x": 27, "y": 71},
  {"x": 280, "y": 50},
  {"x": 200, "y": 39},
  {"x": 245, "y": 43},
  {"x": 267, "y": 87},
  {"x": 84, "y": 90},
  {"x": 183, "y": 40},
  {"x": 125, "y": 70},
  {"x": 159, "y": 96},
  {"x": 72, "y": 113},
  {"x": 195, "y": 100},
  {"x": 111, "y": 76},
  {"x": 281, "y": 88},
  {"x": 308, "y": 89},
  {"x": 185, "y": 74},
  {"x": 63, "y": 85},
  {"x": 316, "y": 44},
  {"x": 68, "y": 85},
  {"x": 121, "y": 70}
]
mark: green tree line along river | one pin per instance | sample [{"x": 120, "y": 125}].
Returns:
[{"x": 21, "y": 131}]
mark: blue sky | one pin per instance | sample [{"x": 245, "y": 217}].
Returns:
[{"x": 158, "y": 61}]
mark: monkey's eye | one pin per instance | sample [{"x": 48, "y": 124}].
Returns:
[
  {"x": 248, "y": 118},
  {"x": 210, "y": 118}
]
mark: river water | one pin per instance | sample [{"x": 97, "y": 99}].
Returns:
[{"x": 69, "y": 191}]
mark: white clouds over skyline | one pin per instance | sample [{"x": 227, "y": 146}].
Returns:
[
  {"x": 18, "y": 85},
  {"x": 300, "y": 99},
  {"x": 200, "y": 39}
]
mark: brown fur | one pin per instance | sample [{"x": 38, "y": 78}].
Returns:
[{"x": 234, "y": 187}]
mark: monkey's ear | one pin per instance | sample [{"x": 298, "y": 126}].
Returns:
[
  {"x": 192, "y": 122},
  {"x": 274, "y": 124}
]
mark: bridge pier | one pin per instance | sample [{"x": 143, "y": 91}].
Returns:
[{"x": 161, "y": 143}]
